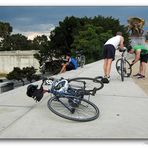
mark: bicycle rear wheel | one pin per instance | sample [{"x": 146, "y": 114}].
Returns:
[
  {"x": 86, "y": 83},
  {"x": 82, "y": 62},
  {"x": 85, "y": 111}
]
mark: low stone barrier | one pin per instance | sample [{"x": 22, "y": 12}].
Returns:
[{"x": 6, "y": 86}]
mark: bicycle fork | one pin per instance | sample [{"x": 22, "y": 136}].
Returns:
[{"x": 70, "y": 108}]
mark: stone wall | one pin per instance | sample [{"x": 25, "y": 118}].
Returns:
[{"x": 11, "y": 59}]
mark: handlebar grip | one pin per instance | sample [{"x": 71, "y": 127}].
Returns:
[{"x": 94, "y": 91}]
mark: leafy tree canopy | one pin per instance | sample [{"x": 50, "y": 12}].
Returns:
[
  {"x": 5, "y": 29},
  {"x": 88, "y": 34}
]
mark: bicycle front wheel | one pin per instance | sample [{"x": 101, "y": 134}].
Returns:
[
  {"x": 127, "y": 69},
  {"x": 85, "y": 111},
  {"x": 122, "y": 69}
]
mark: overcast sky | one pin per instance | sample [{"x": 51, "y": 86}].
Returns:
[{"x": 32, "y": 21}]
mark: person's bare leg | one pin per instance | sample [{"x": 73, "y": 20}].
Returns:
[
  {"x": 63, "y": 68},
  {"x": 105, "y": 67},
  {"x": 109, "y": 63},
  {"x": 140, "y": 68},
  {"x": 143, "y": 68}
]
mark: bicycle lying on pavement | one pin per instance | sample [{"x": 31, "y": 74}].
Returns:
[
  {"x": 123, "y": 66},
  {"x": 68, "y": 99}
]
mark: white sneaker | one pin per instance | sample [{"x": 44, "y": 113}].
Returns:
[{"x": 107, "y": 77}]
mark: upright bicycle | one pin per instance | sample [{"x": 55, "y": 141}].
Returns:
[
  {"x": 71, "y": 97},
  {"x": 123, "y": 66},
  {"x": 80, "y": 57}
]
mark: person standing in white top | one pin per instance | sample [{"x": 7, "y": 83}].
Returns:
[{"x": 109, "y": 52}]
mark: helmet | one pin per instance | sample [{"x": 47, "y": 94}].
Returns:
[
  {"x": 35, "y": 93},
  {"x": 31, "y": 89},
  {"x": 61, "y": 86}
]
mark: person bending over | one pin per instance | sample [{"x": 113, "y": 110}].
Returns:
[
  {"x": 109, "y": 52},
  {"x": 141, "y": 53}
]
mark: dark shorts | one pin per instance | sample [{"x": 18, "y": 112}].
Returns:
[
  {"x": 69, "y": 67},
  {"x": 109, "y": 52},
  {"x": 144, "y": 58}
]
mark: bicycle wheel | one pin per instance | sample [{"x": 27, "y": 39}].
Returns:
[
  {"x": 122, "y": 70},
  {"x": 82, "y": 62},
  {"x": 127, "y": 68},
  {"x": 78, "y": 60},
  {"x": 86, "y": 83},
  {"x": 86, "y": 111}
]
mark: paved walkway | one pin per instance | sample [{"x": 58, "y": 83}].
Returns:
[{"x": 123, "y": 112}]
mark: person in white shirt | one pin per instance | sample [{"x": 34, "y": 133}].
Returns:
[{"x": 109, "y": 52}]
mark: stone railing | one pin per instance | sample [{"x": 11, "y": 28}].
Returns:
[{"x": 6, "y": 86}]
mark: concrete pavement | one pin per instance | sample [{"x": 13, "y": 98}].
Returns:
[{"x": 123, "y": 112}]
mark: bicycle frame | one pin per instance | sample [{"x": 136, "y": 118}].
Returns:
[
  {"x": 67, "y": 95},
  {"x": 123, "y": 55}
]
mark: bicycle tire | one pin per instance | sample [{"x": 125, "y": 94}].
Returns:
[
  {"x": 91, "y": 83},
  {"x": 82, "y": 62},
  {"x": 80, "y": 112},
  {"x": 127, "y": 66},
  {"x": 122, "y": 70},
  {"x": 78, "y": 60}
]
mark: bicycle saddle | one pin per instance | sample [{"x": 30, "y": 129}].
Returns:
[{"x": 122, "y": 49}]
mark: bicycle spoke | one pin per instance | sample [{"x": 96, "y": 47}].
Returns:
[{"x": 85, "y": 111}]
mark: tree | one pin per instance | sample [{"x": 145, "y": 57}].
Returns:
[
  {"x": 43, "y": 45},
  {"x": 91, "y": 42},
  {"x": 15, "y": 42},
  {"x": 85, "y": 33},
  {"x": 63, "y": 35},
  {"x": 29, "y": 74},
  {"x": 19, "y": 42},
  {"x": 22, "y": 74},
  {"x": 5, "y": 29},
  {"x": 16, "y": 74}
]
